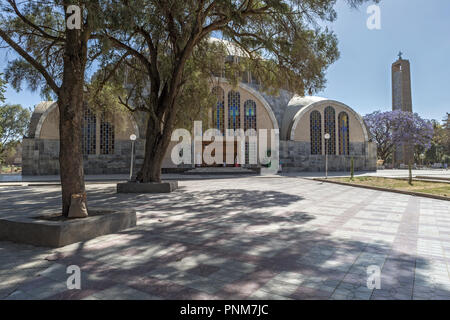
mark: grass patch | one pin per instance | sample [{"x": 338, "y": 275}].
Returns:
[
  {"x": 7, "y": 170},
  {"x": 434, "y": 188}
]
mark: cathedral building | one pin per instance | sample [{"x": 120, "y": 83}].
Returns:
[{"x": 301, "y": 124}]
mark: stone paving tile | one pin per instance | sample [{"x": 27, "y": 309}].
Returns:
[
  {"x": 121, "y": 292},
  {"x": 265, "y": 295},
  {"x": 45, "y": 289},
  {"x": 246, "y": 238},
  {"x": 305, "y": 293},
  {"x": 20, "y": 295}
]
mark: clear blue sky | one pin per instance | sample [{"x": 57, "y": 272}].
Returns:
[{"x": 361, "y": 78}]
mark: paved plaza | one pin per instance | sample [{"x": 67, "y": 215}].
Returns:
[{"x": 243, "y": 238}]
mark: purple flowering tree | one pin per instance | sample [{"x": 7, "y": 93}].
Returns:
[{"x": 398, "y": 127}]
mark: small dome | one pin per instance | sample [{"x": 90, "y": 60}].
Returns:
[
  {"x": 39, "y": 110},
  {"x": 295, "y": 105}
]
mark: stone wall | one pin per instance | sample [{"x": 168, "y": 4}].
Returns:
[
  {"x": 296, "y": 156},
  {"x": 41, "y": 157}
]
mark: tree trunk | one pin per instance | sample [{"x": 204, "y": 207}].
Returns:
[
  {"x": 70, "y": 103},
  {"x": 156, "y": 145},
  {"x": 71, "y": 154}
]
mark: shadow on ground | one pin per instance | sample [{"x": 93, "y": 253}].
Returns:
[{"x": 225, "y": 244}]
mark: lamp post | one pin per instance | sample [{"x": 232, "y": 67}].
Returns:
[
  {"x": 327, "y": 137},
  {"x": 422, "y": 157},
  {"x": 133, "y": 140}
]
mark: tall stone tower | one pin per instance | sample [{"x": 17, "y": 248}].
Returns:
[
  {"x": 401, "y": 85},
  {"x": 402, "y": 100}
]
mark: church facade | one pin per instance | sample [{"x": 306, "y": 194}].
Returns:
[{"x": 301, "y": 122}]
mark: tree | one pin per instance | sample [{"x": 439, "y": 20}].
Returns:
[
  {"x": 106, "y": 92},
  {"x": 446, "y": 135},
  {"x": 379, "y": 125},
  {"x": 54, "y": 58},
  {"x": 436, "y": 150},
  {"x": 392, "y": 128},
  {"x": 2, "y": 88},
  {"x": 13, "y": 125},
  {"x": 282, "y": 41},
  {"x": 13, "y": 154}
]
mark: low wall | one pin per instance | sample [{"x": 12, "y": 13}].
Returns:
[
  {"x": 296, "y": 156},
  {"x": 41, "y": 157}
]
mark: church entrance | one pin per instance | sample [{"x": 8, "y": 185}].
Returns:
[{"x": 226, "y": 151}]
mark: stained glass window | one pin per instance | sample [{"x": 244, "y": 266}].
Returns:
[
  {"x": 218, "y": 115},
  {"x": 234, "y": 108},
  {"x": 106, "y": 136},
  {"x": 250, "y": 115},
  {"x": 330, "y": 127},
  {"x": 344, "y": 134},
  {"x": 89, "y": 132},
  {"x": 316, "y": 133}
]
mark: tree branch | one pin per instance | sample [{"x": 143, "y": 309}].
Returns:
[{"x": 39, "y": 67}]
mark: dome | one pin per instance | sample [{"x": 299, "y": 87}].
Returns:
[
  {"x": 232, "y": 49},
  {"x": 294, "y": 106},
  {"x": 39, "y": 110}
]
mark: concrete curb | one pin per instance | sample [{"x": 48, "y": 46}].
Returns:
[
  {"x": 433, "y": 178},
  {"x": 409, "y": 193}
]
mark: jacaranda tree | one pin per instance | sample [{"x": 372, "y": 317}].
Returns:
[{"x": 392, "y": 128}]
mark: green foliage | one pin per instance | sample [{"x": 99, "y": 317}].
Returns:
[
  {"x": 107, "y": 92},
  {"x": 2, "y": 88},
  {"x": 439, "y": 150},
  {"x": 39, "y": 29},
  {"x": 446, "y": 135},
  {"x": 13, "y": 125}
]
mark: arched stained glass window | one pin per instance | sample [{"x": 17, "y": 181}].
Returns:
[
  {"x": 250, "y": 124},
  {"x": 218, "y": 114},
  {"x": 249, "y": 115},
  {"x": 330, "y": 127},
  {"x": 316, "y": 133},
  {"x": 89, "y": 132},
  {"x": 234, "y": 108},
  {"x": 106, "y": 136},
  {"x": 344, "y": 134}
]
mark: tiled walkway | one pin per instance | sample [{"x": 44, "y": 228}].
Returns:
[{"x": 245, "y": 238}]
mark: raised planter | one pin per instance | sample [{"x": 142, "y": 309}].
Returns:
[
  {"x": 57, "y": 231},
  {"x": 132, "y": 187}
]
